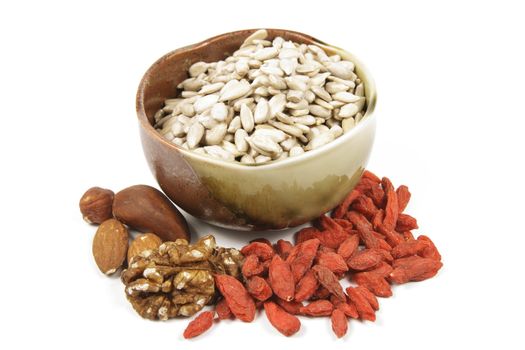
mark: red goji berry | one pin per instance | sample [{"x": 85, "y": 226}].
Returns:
[
  {"x": 339, "y": 323},
  {"x": 392, "y": 205},
  {"x": 199, "y": 325},
  {"x": 261, "y": 240},
  {"x": 333, "y": 261},
  {"x": 364, "y": 228},
  {"x": 366, "y": 312},
  {"x": 283, "y": 248},
  {"x": 414, "y": 268},
  {"x": 222, "y": 309},
  {"x": 408, "y": 248},
  {"x": 306, "y": 253},
  {"x": 251, "y": 266},
  {"x": 305, "y": 234},
  {"x": 403, "y": 197},
  {"x": 430, "y": 250},
  {"x": 318, "y": 308},
  {"x": 340, "y": 211},
  {"x": 374, "y": 282},
  {"x": 348, "y": 247},
  {"x": 281, "y": 278},
  {"x": 369, "y": 296},
  {"x": 365, "y": 206},
  {"x": 405, "y": 222},
  {"x": 364, "y": 260},
  {"x": 306, "y": 286},
  {"x": 345, "y": 306},
  {"x": 262, "y": 250},
  {"x": 292, "y": 307},
  {"x": 328, "y": 280},
  {"x": 259, "y": 288},
  {"x": 367, "y": 174},
  {"x": 239, "y": 301},
  {"x": 284, "y": 322}
]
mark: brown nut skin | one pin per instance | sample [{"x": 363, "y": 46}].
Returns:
[
  {"x": 147, "y": 209},
  {"x": 145, "y": 241},
  {"x": 110, "y": 246},
  {"x": 96, "y": 205}
]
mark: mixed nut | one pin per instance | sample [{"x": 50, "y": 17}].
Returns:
[
  {"x": 366, "y": 243},
  {"x": 269, "y": 101}
]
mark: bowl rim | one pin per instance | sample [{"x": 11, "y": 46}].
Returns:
[{"x": 367, "y": 119}]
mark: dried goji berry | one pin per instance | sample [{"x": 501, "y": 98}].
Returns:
[
  {"x": 414, "y": 268},
  {"x": 251, "y": 266},
  {"x": 318, "y": 308},
  {"x": 306, "y": 286},
  {"x": 348, "y": 247},
  {"x": 383, "y": 269},
  {"x": 430, "y": 250},
  {"x": 306, "y": 253},
  {"x": 405, "y": 222},
  {"x": 392, "y": 206},
  {"x": 392, "y": 237},
  {"x": 328, "y": 280},
  {"x": 262, "y": 250},
  {"x": 345, "y": 224},
  {"x": 374, "y": 282},
  {"x": 333, "y": 261},
  {"x": 345, "y": 306},
  {"x": 284, "y": 322},
  {"x": 364, "y": 228},
  {"x": 403, "y": 197},
  {"x": 293, "y": 254},
  {"x": 199, "y": 325},
  {"x": 369, "y": 296},
  {"x": 385, "y": 254},
  {"x": 259, "y": 288},
  {"x": 378, "y": 219},
  {"x": 281, "y": 278},
  {"x": 292, "y": 307},
  {"x": 366, "y": 312},
  {"x": 339, "y": 323},
  {"x": 305, "y": 234},
  {"x": 365, "y": 185},
  {"x": 365, "y": 206},
  {"x": 377, "y": 195},
  {"x": 223, "y": 310},
  {"x": 239, "y": 301},
  {"x": 367, "y": 174},
  {"x": 340, "y": 211},
  {"x": 408, "y": 248},
  {"x": 283, "y": 248},
  {"x": 261, "y": 240},
  {"x": 365, "y": 259}
]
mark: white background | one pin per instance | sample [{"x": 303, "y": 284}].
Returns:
[{"x": 450, "y": 78}]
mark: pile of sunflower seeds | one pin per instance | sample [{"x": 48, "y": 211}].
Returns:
[{"x": 269, "y": 101}]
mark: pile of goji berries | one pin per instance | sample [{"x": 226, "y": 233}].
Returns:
[{"x": 368, "y": 239}]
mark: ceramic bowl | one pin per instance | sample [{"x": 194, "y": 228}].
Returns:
[{"x": 277, "y": 195}]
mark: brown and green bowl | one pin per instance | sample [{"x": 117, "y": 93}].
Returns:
[{"x": 277, "y": 195}]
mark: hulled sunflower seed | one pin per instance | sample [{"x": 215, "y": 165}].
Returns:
[
  {"x": 262, "y": 111},
  {"x": 348, "y": 124},
  {"x": 246, "y": 119},
  {"x": 235, "y": 124},
  {"x": 195, "y": 134},
  {"x": 210, "y": 88},
  {"x": 215, "y": 135},
  {"x": 247, "y": 159},
  {"x": 219, "y": 112},
  {"x": 295, "y": 151},
  {"x": 219, "y": 152},
  {"x": 348, "y": 110},
  {"x": 240, "y": 140}
]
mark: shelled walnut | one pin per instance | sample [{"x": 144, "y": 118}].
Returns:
[{"x": 177, "y": 278}]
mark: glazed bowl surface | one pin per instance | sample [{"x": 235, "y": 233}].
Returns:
[{"x": 276, "y": 195}]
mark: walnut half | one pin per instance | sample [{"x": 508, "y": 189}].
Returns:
[{"x": 177, "y": 278}]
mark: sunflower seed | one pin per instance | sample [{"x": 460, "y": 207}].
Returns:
[
  {"x": 342, "y": 69},
  {"x": 323, "y": 104},
  {"x": 240, "y": 140},
  {"x": 273, "y": 134},
  {"x": 262, "y": 110},
  {"x": 247, "y": 159},
  {"x": 260, "y": 34},
  {"x": 234, "y": 89},
  {"x": 277, "y": 82},
  {"x": 266, "y": 53},
  {"x": 235, "y": 125},
  {"x": 346, "y": 97},
  {"x": 262, "y": 159},
  {"x": 288, "y": 65},
  {"x": 247, "y": 121},
  {"x": 215, "y": 135},
  {"x": 295, "y": 151},
  {"x": 205, "y": 102},
  {"x": 231, "y": 148},
  {"x": 289, "y": 129},
  {"x": 276, "y": 104},
  {"x": 305, "y": 120},
  {"x": 265, "y": 146},
  {"x": 195, "y": 134},
  {"x": 295, "y": 96},
  {"x": 348, "y": 110},
  {"x": 322, "y": 93},
  {"x": 197, "y": 69},
  {"x": 348, "y": 124},
  {"x": 319, "y": 111},
  {"x": 219, "y": 112},
  {"x": 219, "y": 152},
  {"x": 289, "y": 143}
]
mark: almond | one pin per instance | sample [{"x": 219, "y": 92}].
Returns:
[
  {"x": 143, "y": 242},
  {"x": 110, "y": 246}
]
